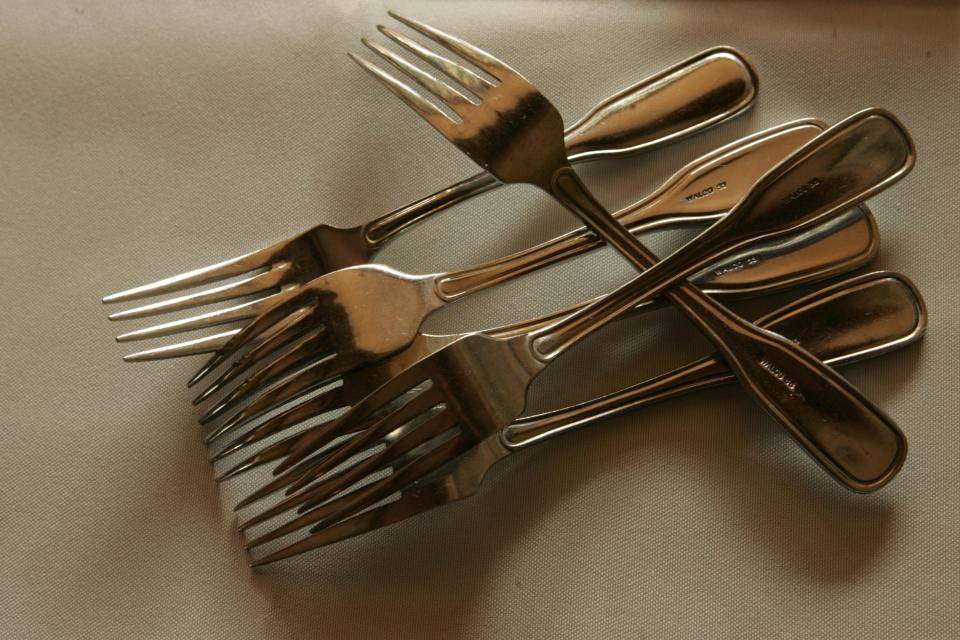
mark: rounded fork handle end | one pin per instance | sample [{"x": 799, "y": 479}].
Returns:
[
  {"x": 854, "y": 440},
  {"x": 689, "y": 97}
]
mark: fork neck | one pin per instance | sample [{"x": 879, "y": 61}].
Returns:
[
  {"x": 550, "y": 342},
  {"x": 379, "y": 230},
  {"x": 530, "y": 430}
]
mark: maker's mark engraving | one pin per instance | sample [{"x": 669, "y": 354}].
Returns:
[
  {"x": 802, "y": 190},
  {"x": 736, "y": 265},
  {"x": 778, "y": 373},
  {"x": 703, "y": 193}
]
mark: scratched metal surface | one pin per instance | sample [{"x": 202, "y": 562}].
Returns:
[{"x": 143, "y": 139}]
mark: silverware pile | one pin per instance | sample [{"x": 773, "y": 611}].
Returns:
[{"x": 325, "y": 372}]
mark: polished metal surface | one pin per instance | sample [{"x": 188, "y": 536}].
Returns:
[
  {"x": 844, "y": 323},
  {"x": 511, "y": 130},
  {"x": 859, "y": 318},
  {"x": 475, "y": 386},
  {"x": 837, "y": 246},
  {"x": 704, "y": 90},
  {"x": 682, "y": 199},
  {"x": 368, "y": 312}
]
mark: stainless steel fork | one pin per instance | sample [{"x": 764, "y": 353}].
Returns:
[
  {"x": 474, "y": 387},
  {"x": 700, "y": 92},
  {"x": 515, "y": 133},
  {"x": 859, "y": 318},
  {"x": 355, "y": 316},
  {"x": 838, "y": 246}
]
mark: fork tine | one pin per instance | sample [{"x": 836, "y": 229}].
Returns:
[
  {"x": 346, "y": 498},
  {"x": 328, "y": 433},
  {"x": 281, "y": 391},
  {"x": 341, "y": 435},
  {"x": 243, "y": 311},
  {"x": 262, "y": 492},
  {"x": 415, "y": 499},
  {"x": 370, "y": 494},
  {"x": 342, "y": 507},
  {"x": 324, "y": 458},
  {"x": 287, "y": 445},
  {"x": 318, "y": 493},
  {"x": 306, "y": 464},
  {"x": 329, "y": 401},
  {"x": 427, "y": 110},
  {"x": 268, "y": 454},
  {"x": 400, "y": 446},
  {"x": 281, "y": 507},
  {"x": 316, "y": 485},
  {"x": 268, "y": 400},
  {"x": 461, "y": 74},
  {"x": 299, "y": 522},
  {"x": 475, "y": 55},
  {"x": 285, "y": 359},
  {"x": 447, "y": 93},
  {"x": 209, "y": 344},
  {"x": 265, "y": 281},
  {"x": 226, "y": 269},
  {"x": 296, "y": 301},
  {"x": 285, "y": 348},
  {"x": 381, "y": 397}
]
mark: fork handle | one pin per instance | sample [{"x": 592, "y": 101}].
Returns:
[
  {"x": 702, "y": 191},
  {"x": 855, "y": 441},
  {"x": 695, "y": 94},
  {"x": 859, "y": 318}
]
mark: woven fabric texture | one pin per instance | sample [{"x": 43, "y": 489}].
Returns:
[{"x": 141, "y": 139}]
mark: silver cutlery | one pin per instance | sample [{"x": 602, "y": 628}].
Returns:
[
  {"x": 837, "y": 246},
  {"x": 689, "y": 97},
  {"x": 481, "y": 381},
  {"x": 515, "y": 133},
  {"x": 319, "y": 365},
  {"x": 859, "y": 318},
  {"x": 474, "y": 387},
  {"x": 355, "y": 316}
]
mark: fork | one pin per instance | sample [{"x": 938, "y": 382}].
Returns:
[
  {"x": 835, "y": 247},
  {"x": 702, "y": 91},
  {"x": 859, "y": 318},
  {"x": 479, "y": 383},
  {"x": 336, "y": 315},
  {"x": 476, "y": 386}
]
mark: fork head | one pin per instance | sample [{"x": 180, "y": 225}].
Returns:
[
  {"x": 247, "y": 284},
  {"x": 458, "y": 479},
  {"x": 497, "y": 117},
  {"x": 333, "y": 316},
  {"x": 335, "y": 394},
  {"x": 449, "y": 402}
]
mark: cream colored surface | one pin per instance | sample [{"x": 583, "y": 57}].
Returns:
[{"x": 140, "y": 139}]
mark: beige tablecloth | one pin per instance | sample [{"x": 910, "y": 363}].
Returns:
[{"x": 140, "y": 139}]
